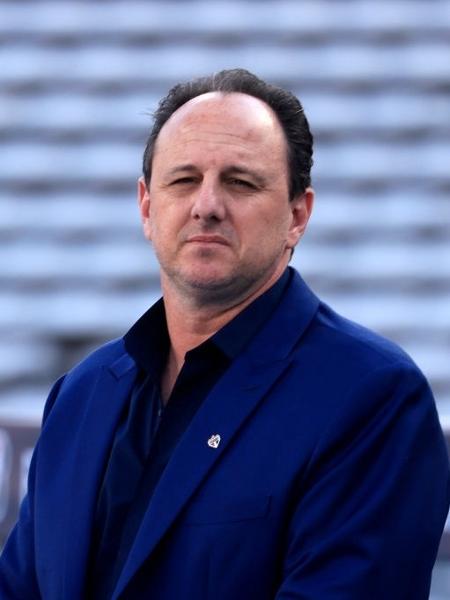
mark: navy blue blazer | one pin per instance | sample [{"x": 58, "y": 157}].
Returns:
[{"x": 330, "y": 480}]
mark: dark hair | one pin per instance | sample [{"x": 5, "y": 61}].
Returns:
[{"x": 284, "y": 104}]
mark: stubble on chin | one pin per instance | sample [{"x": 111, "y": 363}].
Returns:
[{"x": 217, "y": 291}]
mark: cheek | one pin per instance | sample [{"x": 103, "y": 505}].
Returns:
[
  {"x": 269, "y": 229},
  {"x": 164, "y": 226}
]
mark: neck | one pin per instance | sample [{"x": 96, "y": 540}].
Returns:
[{"x": 189, "y": 324}]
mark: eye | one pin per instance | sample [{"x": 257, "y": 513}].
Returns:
[
  {"x": 242, "y": 183},
  {"x": 182, "y": 180}
]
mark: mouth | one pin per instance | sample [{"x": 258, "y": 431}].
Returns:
[{"x": 208, "y": 239}]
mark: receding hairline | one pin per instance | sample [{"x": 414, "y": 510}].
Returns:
[
  {"x": 222, "y": 96},
  {"x": 179, "y": 114}
]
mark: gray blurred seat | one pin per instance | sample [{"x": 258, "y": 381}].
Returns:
[{"x": 76, "y": 82}]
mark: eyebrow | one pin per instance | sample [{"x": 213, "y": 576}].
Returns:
[{"x": 181, "y": 168}]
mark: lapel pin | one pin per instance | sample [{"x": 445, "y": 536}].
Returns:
[{"x": 214, "y": 441}]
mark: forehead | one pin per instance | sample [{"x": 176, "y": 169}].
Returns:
[{"x": 231, "y": 119}]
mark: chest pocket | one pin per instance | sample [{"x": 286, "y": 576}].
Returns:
[{"x": 220, "y": 509}]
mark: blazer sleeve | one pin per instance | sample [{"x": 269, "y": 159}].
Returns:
[
  {"x": 372, "y": 506},
  {"x": 18, "y": 579}
]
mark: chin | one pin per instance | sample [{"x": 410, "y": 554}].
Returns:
[
  {"x": 208, "y": 281},
  {"x": 207, "y": 285}
]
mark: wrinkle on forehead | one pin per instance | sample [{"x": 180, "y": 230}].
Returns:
[{"x": 215, "y": 138}]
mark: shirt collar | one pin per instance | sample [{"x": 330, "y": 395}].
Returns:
[
  {"x": 148, "y": 339},
  {"x": 232, "y": 338}
]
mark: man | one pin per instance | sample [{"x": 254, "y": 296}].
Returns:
[{"x": 242, "y": 440}]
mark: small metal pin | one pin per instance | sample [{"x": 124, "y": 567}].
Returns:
[{"x": 214, "y": 441}]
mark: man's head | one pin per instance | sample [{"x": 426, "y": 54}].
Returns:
[
  {"x": 220, "y": 205},
  {"x": 284, "y": 104}
]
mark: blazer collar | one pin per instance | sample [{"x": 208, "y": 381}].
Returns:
[{"x": 224, "y": 411}]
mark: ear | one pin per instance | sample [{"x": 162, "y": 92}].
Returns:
[
  {"x": 144, "y": 206},
  {"x": 301, "y": 209}
]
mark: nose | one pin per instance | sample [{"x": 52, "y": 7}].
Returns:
[{"x": 208, "y": 203}]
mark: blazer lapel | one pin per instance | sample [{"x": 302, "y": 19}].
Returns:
[
  {"x": 95, "y": 432},
  {"x": 223, "y": 413}
]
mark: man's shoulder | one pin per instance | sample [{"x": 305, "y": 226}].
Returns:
[
  {"x": 81, "y": 379},
  {"x": 111, "y": 355},
  {"x": 352, "y": 374},
  {"x": 339, "y": 338},
  {"x": 351, "y": 344}
]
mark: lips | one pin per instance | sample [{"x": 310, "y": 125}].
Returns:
[{"x": 208, "y": 239}]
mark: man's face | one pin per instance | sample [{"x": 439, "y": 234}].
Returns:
[{"x": 217, "y": 209}]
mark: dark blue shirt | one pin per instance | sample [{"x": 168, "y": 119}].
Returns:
[{"x": 148, "y": 432}]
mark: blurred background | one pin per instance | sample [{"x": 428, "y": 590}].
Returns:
[{"x": 78, "y": 81}]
